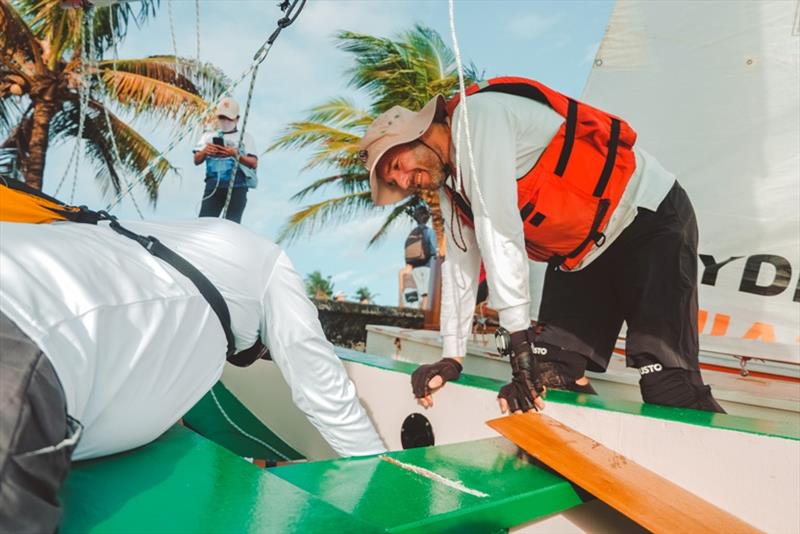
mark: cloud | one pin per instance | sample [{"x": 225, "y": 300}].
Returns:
[{"x": 531, "y": 25}]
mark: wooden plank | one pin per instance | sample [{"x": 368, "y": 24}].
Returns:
[{"x": 645, "y": 497}]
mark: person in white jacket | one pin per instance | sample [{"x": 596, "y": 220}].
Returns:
[{"x": 104, "y": 346}]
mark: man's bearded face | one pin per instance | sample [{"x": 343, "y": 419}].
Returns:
[{"x": 412, "y": 167}]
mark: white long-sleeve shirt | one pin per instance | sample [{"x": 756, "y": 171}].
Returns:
[
  {"x": 135, "y": 345},
  {"x": 508, "y": 135}
]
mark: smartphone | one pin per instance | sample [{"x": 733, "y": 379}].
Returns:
[{"x": 219, "y": 141}]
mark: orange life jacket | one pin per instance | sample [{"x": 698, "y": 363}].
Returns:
[{"x": 567, "y": 198}]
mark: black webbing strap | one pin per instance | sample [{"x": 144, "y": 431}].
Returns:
[
  {"x": 611, "y": 158},
  {"x": 569, "y": 137},
  {"x": 460, "y": 203},
  {"x": 203, "y": 284}
]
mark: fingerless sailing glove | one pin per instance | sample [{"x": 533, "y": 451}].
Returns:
[
  {"x": 447, "y": 368},
  {"x": 525, "y": 383}
]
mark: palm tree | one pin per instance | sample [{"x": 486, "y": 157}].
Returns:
[
  {"x": 318, "y": 286},
  {"x": 406, "y": 71},
  {"x": 364, "y": 295},
  {"x": 47, "y": 71}
]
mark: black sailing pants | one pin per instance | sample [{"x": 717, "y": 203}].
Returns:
[{"x": 37, "y": 436}]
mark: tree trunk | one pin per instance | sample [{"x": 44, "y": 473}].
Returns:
[{"x": 43, "y": 111}]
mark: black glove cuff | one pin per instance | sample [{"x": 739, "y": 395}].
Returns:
[{"x": 454, "y": 362}]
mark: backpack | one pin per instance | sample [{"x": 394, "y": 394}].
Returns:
[
  {"x": 20, "y": 203},
  {"x": 417, "y": 250}
]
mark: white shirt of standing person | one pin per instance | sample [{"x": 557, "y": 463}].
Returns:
[
  {"x": 134, "y": 343},
  {"x": 231, "y": 139}
]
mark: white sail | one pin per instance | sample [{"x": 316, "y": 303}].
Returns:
[{"x": 713, "y": 90}]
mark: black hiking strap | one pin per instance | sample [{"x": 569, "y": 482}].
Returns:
[
  {"x": 207, "y": 289},
  {"x": 203, "y": 284}
]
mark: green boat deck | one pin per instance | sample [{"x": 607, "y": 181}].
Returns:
[{"x": 183, "y": 482}]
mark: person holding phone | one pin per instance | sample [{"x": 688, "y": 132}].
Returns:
[{"x": 218, "y": 149}]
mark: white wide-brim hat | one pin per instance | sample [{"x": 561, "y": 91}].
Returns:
[{"x": 394, "y": 127}]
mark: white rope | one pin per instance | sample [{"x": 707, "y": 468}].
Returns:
[
  {"x": 242, "y": 432},
  {"x": 463, "y": 119},
  {"x": 75, "y": 156},
  {"x": 83, "y": 91},
  {"x": 66, "y": 442},
  {"x": 114, "y": 147},
  {"x": 197, "y": 27},
  {"x": 463, "y": 125},
  {"x": 436, "y": 477},
  {"x": 66, "y": 169},
  {"x": 174, "y": 40}
]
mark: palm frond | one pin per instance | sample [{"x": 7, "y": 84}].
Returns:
[
  {"x": 19, "y": 136},
  {"x": 134, "y": 150},
  {"x": 407, "y": 72},
  {"x": 356, "y": 181},
  {"x": 198, "y": 78},
  {"x": 18, "y": 44},
  {"x": 315, "y": 217},
  {"x": 342, "y": 112},
  {"x": 11, "y": 113},
  {"x": 333, "y": 146},
  {"x": 145, "y": 88},
  {"x": 61, "y": 28},
  {"x": 393, "y": 218},
  {"x": 111, "y": 23}
]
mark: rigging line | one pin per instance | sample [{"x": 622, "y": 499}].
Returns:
[
  {"x": 81, "y": 109},
  {"x": 197, "y": 28},
  {"x": 84, "y": 89},
  {"x": 242, "y": 432},
  {"x": 258, "y": 58},
  {"x": 464, "y": 117},
  {"x": 75, "y": 156},
  {"x": 66, "y": 169},
  {"x": 260, "y": 55},
  {"x": 240, "y": 146},
  {"x": 192, "y": 123},
  {"x": 114, "y": 147},
  {"x": 174, "y": 41},
  {"x": 463, "y": 122}
]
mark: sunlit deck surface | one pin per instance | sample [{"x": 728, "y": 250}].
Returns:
[{"x": 184, "y": 483}]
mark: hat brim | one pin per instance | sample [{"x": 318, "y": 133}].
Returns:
[{"x": 382, "y": 192}]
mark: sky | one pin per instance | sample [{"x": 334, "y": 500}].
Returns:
[{"x": 552, "y": 42}]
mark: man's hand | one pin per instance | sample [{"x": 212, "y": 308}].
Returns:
[
  {"x": 516, "y": 397},
  {"x": 219, "y": 151},
  {"x": 523, "y": 393},
  {"x": 229, "y": 151},
  {"x": 430, "y": 377}
]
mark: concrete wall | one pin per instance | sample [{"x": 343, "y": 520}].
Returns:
[{"x": 345, "y": 323}]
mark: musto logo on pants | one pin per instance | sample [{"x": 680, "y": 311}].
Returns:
[
  {"x": 540, "y": 351},
  {"x": 652, "y": 368}
]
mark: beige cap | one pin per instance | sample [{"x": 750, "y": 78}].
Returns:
[
  {"x": 227, "y": 107},
  {"x": 394, "y": 127}
]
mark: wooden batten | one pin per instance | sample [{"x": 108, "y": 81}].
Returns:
[{"x": 645, "y": 497}]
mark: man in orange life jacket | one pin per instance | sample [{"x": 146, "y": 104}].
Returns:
[{"x": 555, "y": 180}]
